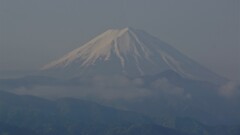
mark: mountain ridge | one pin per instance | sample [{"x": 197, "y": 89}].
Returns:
[{"x": 130, "y": 52}]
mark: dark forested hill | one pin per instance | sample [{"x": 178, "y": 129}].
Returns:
[
  {"x": 37, "y": 116},
  {"x": 29, "y": 115}
]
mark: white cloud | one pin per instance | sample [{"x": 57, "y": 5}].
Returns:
[
  {"x": 230, "y": 89},
  {"x": 163, "y": 86}
]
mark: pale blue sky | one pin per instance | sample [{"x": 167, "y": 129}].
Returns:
[{"x": 35, "y": 32}]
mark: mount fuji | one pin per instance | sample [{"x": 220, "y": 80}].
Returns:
[
  {"x": 129, "y": 52},
  {"x": 132, "y": 70}
]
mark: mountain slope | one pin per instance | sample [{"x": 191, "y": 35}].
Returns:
[
  {"x": 32, "y": 115},
  {"x": 128, "y": 52}
]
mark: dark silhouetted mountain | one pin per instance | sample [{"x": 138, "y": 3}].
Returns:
[
  {"x": 6, "y": 129},
  {"x": 28, "y": 114}
]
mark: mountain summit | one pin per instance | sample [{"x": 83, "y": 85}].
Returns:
[{"x": 129, "y": 52}]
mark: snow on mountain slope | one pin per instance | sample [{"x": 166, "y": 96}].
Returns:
[{"x": 129, "y": 52}]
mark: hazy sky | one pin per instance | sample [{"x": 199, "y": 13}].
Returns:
[{"x": 35, "y": 32}]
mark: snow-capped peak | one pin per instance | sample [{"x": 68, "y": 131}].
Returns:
[
  {"x": 118, "y": 41},
  {"x": 130, "y": 52}
]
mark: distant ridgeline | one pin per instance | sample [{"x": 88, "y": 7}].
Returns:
[{"x": 30, "y": 115}]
